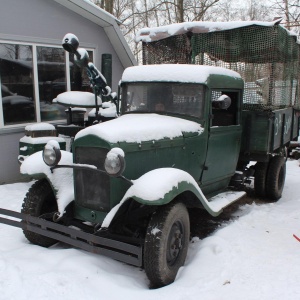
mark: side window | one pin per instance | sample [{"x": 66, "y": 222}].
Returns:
[
  {"x": 78, "y": 76},
  {"x": 227, "y": 116},
  {"x": 17, "y": 89},
  {"x": 52, "y": 81}
]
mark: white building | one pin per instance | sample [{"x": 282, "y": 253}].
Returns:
[{"x": 34, "y": 68}]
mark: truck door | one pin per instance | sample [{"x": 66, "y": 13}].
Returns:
[{"x": 223, "y": 142}]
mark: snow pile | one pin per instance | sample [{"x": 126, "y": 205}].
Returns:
[
  {"x": 108, "y": 110},
  {"x": 61, "y": 179},
  {"x": 41, "y": 140},
  {"x": 39, "y": 127},
  {"x": 137, "y": 128},
  {"x": 254, "y": 256},
  {"x": 77, "y": 99},
  {"x": 174, "y": 73}
]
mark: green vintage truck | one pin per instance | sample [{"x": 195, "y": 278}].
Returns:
[{"x": 210, "y": 111}]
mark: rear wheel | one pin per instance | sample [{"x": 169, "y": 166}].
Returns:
[
  {"x": 275, "y": 177},
  {"x": 261, "y": 169},
  {"x": 38, "y": 201},
  {"x": 166, "y": 244}
]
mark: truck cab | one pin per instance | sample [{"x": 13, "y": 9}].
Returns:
[{"x": 196, "y": 93}]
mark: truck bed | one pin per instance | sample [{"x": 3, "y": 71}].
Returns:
[{"x": 264, "y": 132}]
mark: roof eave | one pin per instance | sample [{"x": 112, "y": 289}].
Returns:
[{"x": 108, "y": 22}]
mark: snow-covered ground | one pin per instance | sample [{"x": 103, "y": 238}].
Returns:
[{"x": 254, "y": 256}]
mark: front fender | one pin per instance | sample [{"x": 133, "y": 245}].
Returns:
[
  {"x": 159, "y": 187},
  {"x": 61, "y": 180}
]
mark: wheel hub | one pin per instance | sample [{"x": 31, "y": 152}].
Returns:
[{"x": 174, "y": 242}]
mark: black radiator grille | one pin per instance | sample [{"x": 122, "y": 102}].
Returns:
[{"x": 92, "y": 189}]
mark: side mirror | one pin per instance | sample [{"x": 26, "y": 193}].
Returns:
[{"x": 223, "y": 102}]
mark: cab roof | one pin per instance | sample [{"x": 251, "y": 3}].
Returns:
[{"x": 208, "y": 75}]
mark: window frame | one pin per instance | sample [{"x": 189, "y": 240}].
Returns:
[{"x": 34, "y": 46}]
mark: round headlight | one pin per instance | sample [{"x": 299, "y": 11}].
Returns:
[
  {"x": 114, "y": 164},
  {"x": 51, "y": 154}
]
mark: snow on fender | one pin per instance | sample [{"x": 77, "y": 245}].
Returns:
[
  {"x": 161, "y": 186},
  {"x": 157, "y": 187},
  {"x": 61, "y": 179}
]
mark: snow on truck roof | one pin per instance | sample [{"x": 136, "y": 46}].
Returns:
[
  {"x": 174, "y": 73},
  {"x": 162, "y": 32}
]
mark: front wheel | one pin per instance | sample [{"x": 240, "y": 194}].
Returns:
[
  {"x": 39, "y": 200},
  {"x": 166, "y": 244}
]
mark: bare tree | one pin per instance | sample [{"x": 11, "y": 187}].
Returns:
[
  {"x": 289, "y": 10},
  {"x": 137, "y": 14}
]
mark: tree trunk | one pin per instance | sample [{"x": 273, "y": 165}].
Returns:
[
  {"x": 180, "y": 17},
  {"x": 287, "y": 14}
]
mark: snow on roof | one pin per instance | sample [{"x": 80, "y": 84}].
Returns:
[
  {"x": 103, "y": 11},
  {"x": 77, "y": 99},
  {"x": 40, "y": 140},
  {"x": 162, "y": 32},
  {"x": 136, "y": 128},
  {"x": 39, "y": 126},
  {"x": 174, "y": 73}
]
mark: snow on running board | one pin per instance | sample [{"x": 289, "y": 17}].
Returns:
[{"x": 222, "y": 200}]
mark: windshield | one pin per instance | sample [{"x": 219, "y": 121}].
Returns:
[{"x": 164, "y": 97}]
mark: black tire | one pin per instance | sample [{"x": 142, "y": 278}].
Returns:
[
  {"x": 39, "y": 200},
  {"x": 276, "y": 177},
  {"x": 166, "y": 244},
  {"x": 260, "y": 178}
]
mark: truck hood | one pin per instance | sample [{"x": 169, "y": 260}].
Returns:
[{"x": 137, "y": 128}]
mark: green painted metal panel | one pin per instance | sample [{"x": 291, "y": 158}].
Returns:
[
  {"x": 88, "y": 215},
  {"x": 265, "y": 132},
  {"x": 29, "y": 148},
  {"x": 282, "y": 124},
  {"x": 222, "y": 155},
  {"x": 296, "y": 125},
  {"x": 257, "y": 132}
]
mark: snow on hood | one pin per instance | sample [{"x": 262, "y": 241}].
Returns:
[
  {"x": 136, "y": 128},
  {"x": 162, "y": 32},
  {"x": 174, "y": 73}
]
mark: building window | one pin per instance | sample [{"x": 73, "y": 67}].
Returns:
[
  {"x": 79, "y": 78},
  {"x": 17, "y": 86},
  {"x": 52, "y": 81},
  {"x": 31, "y": 76}
]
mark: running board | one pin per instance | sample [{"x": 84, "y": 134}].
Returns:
[
  {"x": 128, "y": 253},
  {"x": 222, "y": 200}
]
